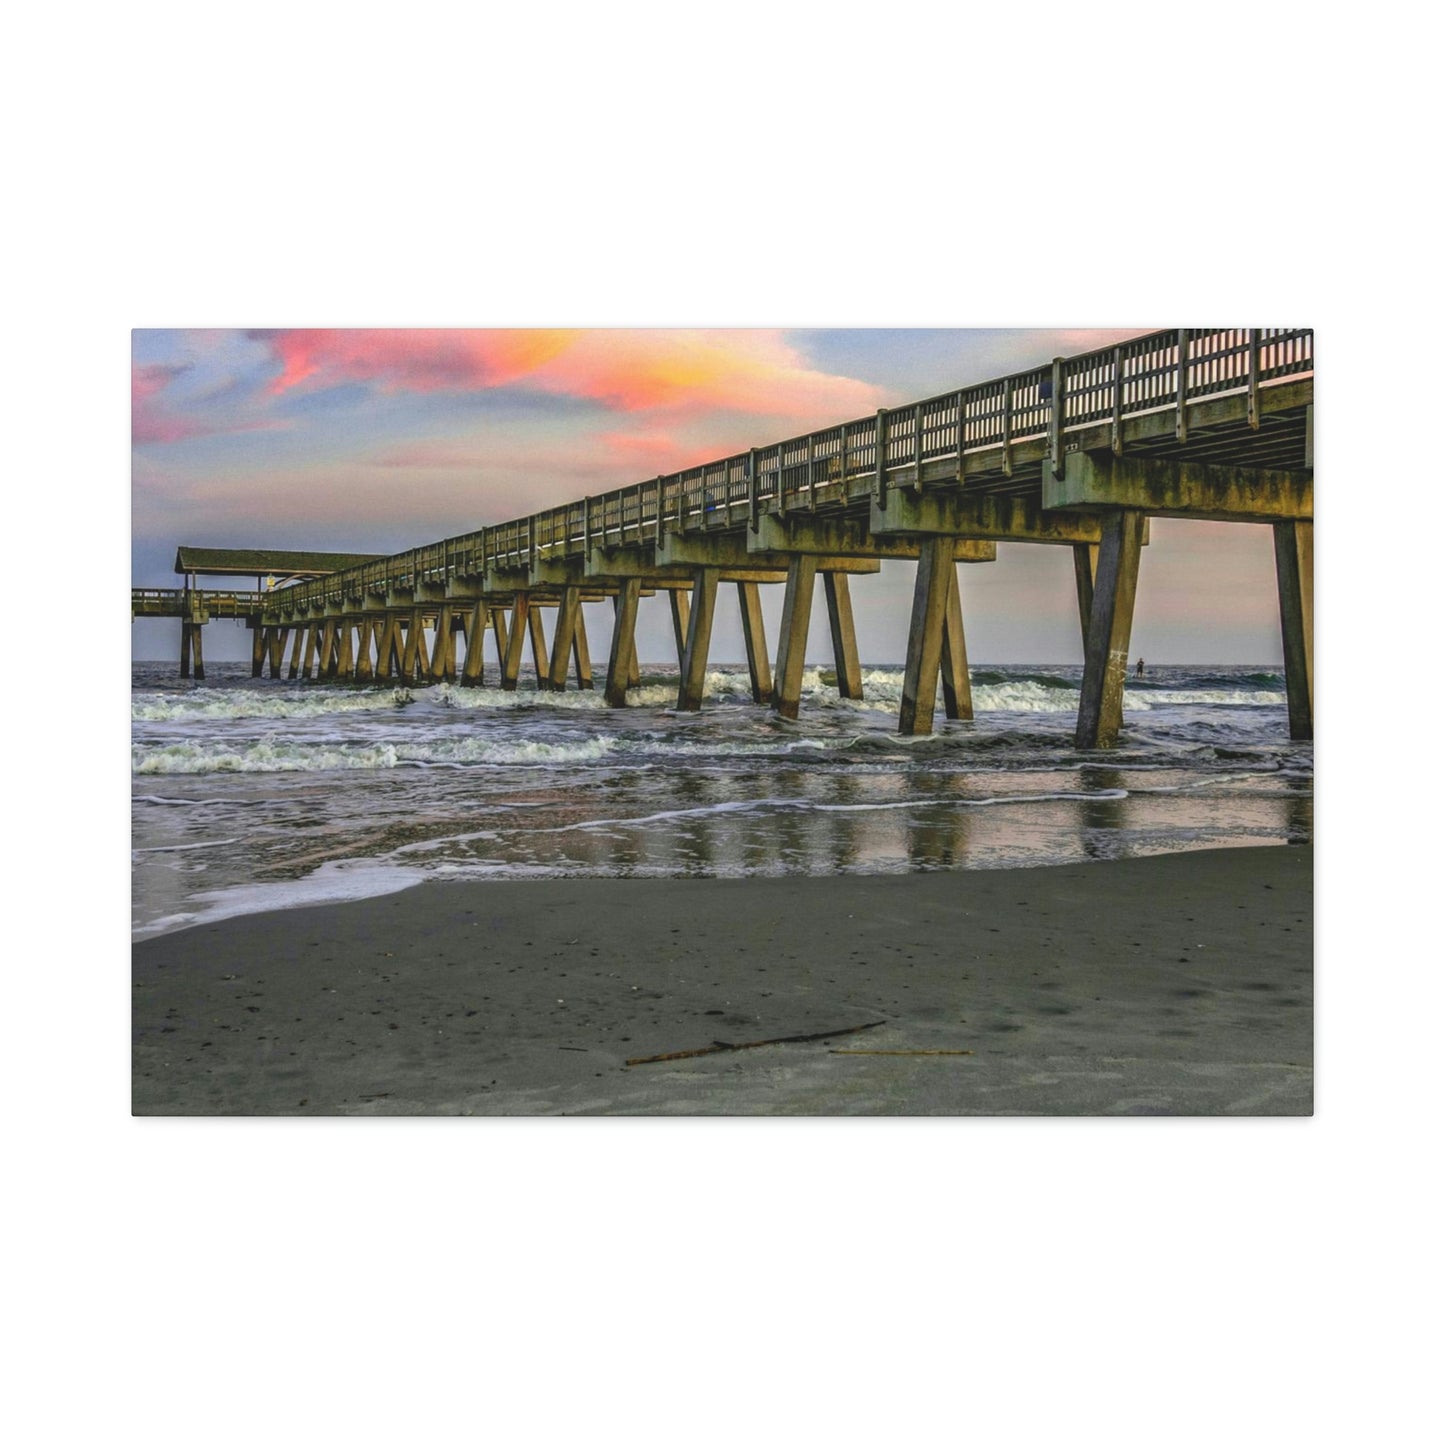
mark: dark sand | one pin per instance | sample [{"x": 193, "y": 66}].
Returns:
[{"x": 1171, "y": 985}]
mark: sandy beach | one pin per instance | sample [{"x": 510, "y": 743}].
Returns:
[{"x": 1171, "y": 985}]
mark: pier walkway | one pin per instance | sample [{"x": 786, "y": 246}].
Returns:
[{"x": 1213, "y": 424}]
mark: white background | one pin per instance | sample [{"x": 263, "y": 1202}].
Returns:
[{"x": 1142, "y": 1280}]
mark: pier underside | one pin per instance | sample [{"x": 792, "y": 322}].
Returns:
[{"x": 1212, "y": 425}]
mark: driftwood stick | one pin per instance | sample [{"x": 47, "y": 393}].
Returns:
[{"x": 719, "y": 1047}]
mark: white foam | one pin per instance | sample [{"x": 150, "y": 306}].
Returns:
[
  {"x": 335, "y": 882},
  {"x": 216, "y": 706}
]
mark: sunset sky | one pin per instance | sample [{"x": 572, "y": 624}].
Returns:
[{"x": 381, "y": 440}]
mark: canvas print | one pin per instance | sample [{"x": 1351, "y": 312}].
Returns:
[{"x": 824, "y": 722}]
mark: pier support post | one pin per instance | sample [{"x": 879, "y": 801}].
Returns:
[
  {"x": 258, "y": 650},
  {"x": 276, "y": 652},
  {"x": 699, "y": 636},
  {"x": 294, "y": 665},
  {"x": 622, "y": 660},
  {"x": 678, "y": 600},
  {"x": 1294, "y": 562},
  {"x": 186, "y": 649},
  {"x": 926, "y": 628},
  {"x": 1106, "y": 657},
  {"x": 957, "y": 689},
  {"x": 755, "y": 641},
  {"x": 1086, "y": 565},
  {"x": 581, "y": 657},
  {"x": 443, "y": 664},
  {"x": 512, "y": 658},
  {"x": 568, "y": 611},
  {"x": 845, "y": 639},
  {"x": 326, "y": 663},
  {"x": 386, "y": 649},
  {"x": 793, "y": 634},
  {"x": 540, "y": 658},
  {"x": 363, "y": 650},
  {"x": 414, "y": 639},
  {"x": 346, "y": 660},
  {"x": 476, "y": 637},
  {"x": 308, "y": 657},
  {"x": 499, "y": 636}
]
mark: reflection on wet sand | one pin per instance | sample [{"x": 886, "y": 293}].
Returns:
[{"x": 937, "y": 832}]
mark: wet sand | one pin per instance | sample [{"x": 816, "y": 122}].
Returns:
[{"x": 1171, "y": 985}]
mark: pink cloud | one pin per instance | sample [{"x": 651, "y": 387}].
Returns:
[
  {"x": 152, "y": 421},
  {"x": 629, "y": 371}
]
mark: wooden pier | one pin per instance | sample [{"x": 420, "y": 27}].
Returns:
[{"x": 1212, "y": 424}]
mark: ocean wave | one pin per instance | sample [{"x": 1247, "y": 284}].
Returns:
[
  {"x": 272, "y": 755},
  {"x": 216, "y": 706}
]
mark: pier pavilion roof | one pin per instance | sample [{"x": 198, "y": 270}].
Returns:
[{"x": 264, "y": 561}]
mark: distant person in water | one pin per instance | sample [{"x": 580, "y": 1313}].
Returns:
[{"x": 1139, "y": 669}]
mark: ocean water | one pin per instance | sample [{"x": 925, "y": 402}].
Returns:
[{"x": 259, "y": 794}]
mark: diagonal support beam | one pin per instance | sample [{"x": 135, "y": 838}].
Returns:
[
  {"x": 1086, "y": 566},
  {"x": 699, "y": 637},
  {"x": 755, "y": 641},
  {"x": 1294, "y": 560},
  {"x": 845, "y": 638},
  {"x": 957, "y": 689},
  {"x": 622, "y": 659},
  {"x": 931, "y": 594},
  {"x": 1106, "y": 658},
  {"x": 568, "y": 611},
  {"x": 793, "y": 634},
  {"x": 516, "y": 634},
  {"x": 681, "y": 611}
]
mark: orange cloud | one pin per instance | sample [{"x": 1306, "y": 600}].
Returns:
[{"x": 630, "y": 371}]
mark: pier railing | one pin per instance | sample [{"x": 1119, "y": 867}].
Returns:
[
  {"x": 183, "y": 602},
  {"x": 846, "y": 462}
]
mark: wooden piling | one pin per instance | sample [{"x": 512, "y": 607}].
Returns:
[
  {"x": 308, "y": 657},
  {"x": 957, "y": 689},
  {"x": 1086, "y": 565},
  {"x": 276, "y": 651},
  {"x": 414, "y": 639},
  {"x": 346, "y": 654},
  {"x": 197, "y": 658},
  {"x": 499, "y": 637},
  {"x": 793, "y": 634},
  {"x": 566, "y": 629},
  {"x": 512, "y": 660},
  {"x": 442, "y": 652},
  {"x": 476, "y": 636},
  {"x": 1106, "y": 658},
  {"x": 540, "y": 660},
  {"x": 1294, "y": 561},
  {"x": 925, "y": 636},
  {"x": 186, "y": 628},
  {"x": 581, "y": 657},
  {"x": 699, "y": 636},
  {"x": 258, "y": 650},
  {"x": 623, "y": 656},
  {"x": 326, "y": 669},
  {"x": 294, "y": 664},
  {"x": 364, "y": 636},
  {"x": 677, "y": 599},
  {"x": 845, "y": 638},
  {"x": 755, "y": 641}
]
